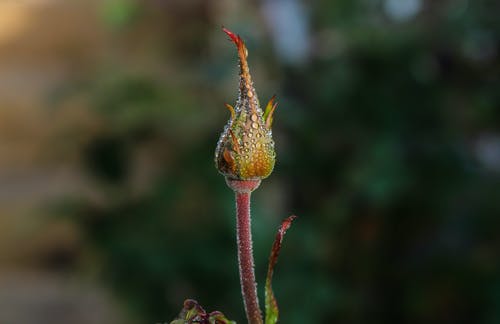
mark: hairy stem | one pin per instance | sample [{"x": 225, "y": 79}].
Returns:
[
  {"x": 243, "y": 189},
  {"x": 245, "y": 258}
]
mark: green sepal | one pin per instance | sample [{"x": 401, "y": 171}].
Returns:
[{"x": 268, "y": 112}]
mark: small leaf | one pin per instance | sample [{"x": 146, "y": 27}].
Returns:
[
  {"x": 192, "y": 312},
  {"x": 217, "y": 317},
  {"x": 272, "y": 311}
]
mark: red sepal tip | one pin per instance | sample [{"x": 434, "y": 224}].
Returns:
[{"x": 234, "y": 37}]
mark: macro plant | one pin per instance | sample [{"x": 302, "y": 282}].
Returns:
[{"x": 245, "y": 156}]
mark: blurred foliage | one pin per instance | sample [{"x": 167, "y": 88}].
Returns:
[
  {"x": 119, "y": 13},
  {"x": 376, "y": 140}
]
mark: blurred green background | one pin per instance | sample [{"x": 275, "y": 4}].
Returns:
[{"x": 388, "y": 141}]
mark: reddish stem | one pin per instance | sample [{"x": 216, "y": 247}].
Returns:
[{"x": 243, "y": 189}]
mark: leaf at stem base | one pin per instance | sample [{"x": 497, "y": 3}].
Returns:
[
  {"x": 272, "y": 311},
  {"x": 192, "y": 313}
]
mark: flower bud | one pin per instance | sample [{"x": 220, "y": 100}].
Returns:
[{"x": 245, "y": 150}]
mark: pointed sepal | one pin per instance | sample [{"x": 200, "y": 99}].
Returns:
[
  {"x": 238, "y": 41},
  {"x": 236, "y": 145},
  {"x": 231, "y": 110},
  {"x": 269, "y": 111}
]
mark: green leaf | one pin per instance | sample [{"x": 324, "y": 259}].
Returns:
[{"x": 272, "y": 311}]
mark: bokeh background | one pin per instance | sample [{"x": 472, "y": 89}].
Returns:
[{"x": 388, "y": 143}]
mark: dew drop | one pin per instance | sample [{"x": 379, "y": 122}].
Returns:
[
  {"x": 255, "y": 125},
  {"x": 250, "y": 94},
  {"x": 254, "y": 117}
]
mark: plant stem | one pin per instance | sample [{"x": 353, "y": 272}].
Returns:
[{"x": 243, "y": 189}]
